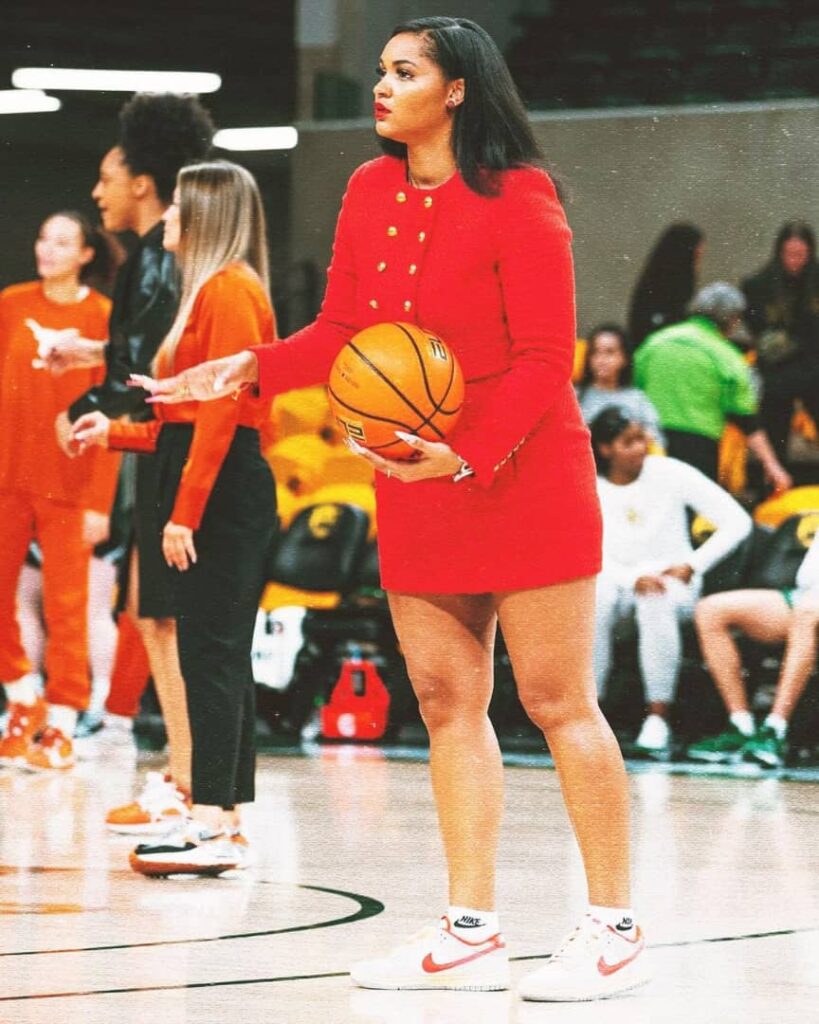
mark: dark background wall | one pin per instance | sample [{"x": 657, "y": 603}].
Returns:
[{"x": 49, "y": 161}]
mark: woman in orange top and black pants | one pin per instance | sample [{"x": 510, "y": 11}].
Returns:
[{"x": 217, "y": 501}]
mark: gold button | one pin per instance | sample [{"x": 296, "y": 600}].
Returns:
[
  {"x": 382, "y": 266},
  {"x": 392, "y": 232},
  {"x": 401, "y": 197},
  {"x": 421, "y": 236},
  {"x": 413, "y": 268},
  {"x": 428, "y": 201},
  {"x": 407, "y": 306},
  {"x": 374, "y": 303}
]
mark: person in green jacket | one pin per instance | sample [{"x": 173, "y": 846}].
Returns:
[{"x": 697, "y": 379}]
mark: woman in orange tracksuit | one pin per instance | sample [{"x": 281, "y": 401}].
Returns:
[{"x": 64, "y": 503}]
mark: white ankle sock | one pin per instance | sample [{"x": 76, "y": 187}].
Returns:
[
  {"x": 62, "y": 717},
  {"x": 22, "y": 691},
  {"x": 121, "y": 722},
  {"x": 473, "y": 925},
  {"x": 744, "y": 721},
  {"x": 778, "y": 724},
  {"x": 619, "y": 918}
]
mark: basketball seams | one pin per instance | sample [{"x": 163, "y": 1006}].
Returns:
[
  {"x": 383, "y": 377},
  {"x": 421, "y": 362},
  {"x": 400, "y": 371}
]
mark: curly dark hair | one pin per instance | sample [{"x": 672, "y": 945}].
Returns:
[{"x": 160, "y": 133}]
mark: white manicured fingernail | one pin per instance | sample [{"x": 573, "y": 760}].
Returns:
[
  {"x": 409, "y": 438},
  {"x": 353, "y": 445}
]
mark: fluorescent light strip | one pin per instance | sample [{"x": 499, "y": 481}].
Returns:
[
  {"x": 27, "y": 101},
  {"x": 246, "y": 139},
  {"x": 91, "y": 80}
]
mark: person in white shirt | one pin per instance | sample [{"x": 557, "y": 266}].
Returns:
[
  {"x": 650, "y": 568},
  {"x": 769, "y": 617}
]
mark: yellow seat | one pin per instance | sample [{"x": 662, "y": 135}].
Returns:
[
  {"x": 298, "y": 462},
  {"x": 797, "y": 501},
  {"x": 305, "y": 411}
]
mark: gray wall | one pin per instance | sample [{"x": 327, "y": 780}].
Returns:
[{"x": 737, "y": 171}]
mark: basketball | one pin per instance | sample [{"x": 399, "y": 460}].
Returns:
[{"x": 395, "y": 376}]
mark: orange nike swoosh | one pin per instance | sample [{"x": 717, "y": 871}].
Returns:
[
  {"x": 607, "y": 969},
  {"x": 431, "y": 967}
]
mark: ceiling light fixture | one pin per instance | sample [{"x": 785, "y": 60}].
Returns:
[
  {"x": 27, "y": 101},
  {"x": 94, "y": 80},
  {"x": 247, "y": 139}
]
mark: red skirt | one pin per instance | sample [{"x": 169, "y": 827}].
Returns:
[{"x": 539, "y": 523}]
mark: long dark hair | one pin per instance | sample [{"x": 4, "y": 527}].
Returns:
[
  {"x": 666, "y": 283},
  {"x": 606, "y": 427},
  {"x": 108, "y": 255},
  {"x": 626, "y": 373},
  {"x": 490, "y": 129},
  {"x": 794, "y": 229}
]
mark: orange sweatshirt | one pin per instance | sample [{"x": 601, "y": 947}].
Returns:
[
  {"x": 31, "y": 461},
  {"x": 231, "y": 313}
]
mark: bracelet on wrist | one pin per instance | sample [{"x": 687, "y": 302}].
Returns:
[{"x": 464, "y": 471}]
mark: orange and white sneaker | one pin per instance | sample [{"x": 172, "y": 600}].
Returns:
[
  {"x": 23, "y": 724},
  {"x": 161, "y": 806},
  {"x": 594, "y": 962},
  {"x": 53, "y": 750},
  {"x": 436, "y": 958}
]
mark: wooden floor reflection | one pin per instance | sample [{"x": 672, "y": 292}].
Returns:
[{"x": 348, "y": 861}]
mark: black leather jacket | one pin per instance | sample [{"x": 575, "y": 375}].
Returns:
[{"x": 146, "y": 296}]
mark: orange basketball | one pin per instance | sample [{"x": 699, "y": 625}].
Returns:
[{"x": 395, "y": 376}]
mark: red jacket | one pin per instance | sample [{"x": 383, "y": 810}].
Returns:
[{"x": 493, "y": 277}]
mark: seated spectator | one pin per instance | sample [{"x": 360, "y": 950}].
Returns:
[
  {"x": 769, "y": 617},
  {"x": 607, "y": 381},
  {"x": 697, "y": 379},
  {"x": 667, "y": 281},
  {"x": 783, "y": 315},
  {"x": 650, "y": 568}
]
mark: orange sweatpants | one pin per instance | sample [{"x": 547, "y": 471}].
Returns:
[
  {"x": 131, "y": 670},
  {"x": 58, "y": 529}
]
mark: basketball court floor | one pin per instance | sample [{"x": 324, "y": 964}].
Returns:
[{"x": 348, "y": 861}]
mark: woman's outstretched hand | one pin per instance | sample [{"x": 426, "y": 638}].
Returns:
[
  {"x": 217, "y": 378},
  {"x": 90, "y": 429},
  {"x": 433, "y": 459}
]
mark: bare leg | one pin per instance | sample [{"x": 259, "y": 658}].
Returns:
[
  {"x": 102, "y": 630},
  {"x": 800, "y": 656},
  {"x": 762, "y": 615},
  {"x": 448, "y": 642},
  {"x": 549, "y": 636},
  {"x": 159, "y": 637}
]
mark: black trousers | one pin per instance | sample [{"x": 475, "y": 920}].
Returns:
[
  {"x": 215, "y": 605},
  {"x": 781, "y": 386},
  {"x": 695, "y": 449}
]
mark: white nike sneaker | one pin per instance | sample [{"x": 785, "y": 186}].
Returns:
[
  {"x": 436, "y": 958},
  {"x": 190, "y": 850},
  {"x": 594, "y": 962}
]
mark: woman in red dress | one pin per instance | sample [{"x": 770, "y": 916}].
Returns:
[{"x": 456, "y": 229}]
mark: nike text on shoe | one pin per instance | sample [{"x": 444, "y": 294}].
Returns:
[
  {"x": 594, "y": 962},
  {"x": 160, "y": 806},
  {"x": 192, "y": 850},
  {"x": 436, "y": 958}
]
